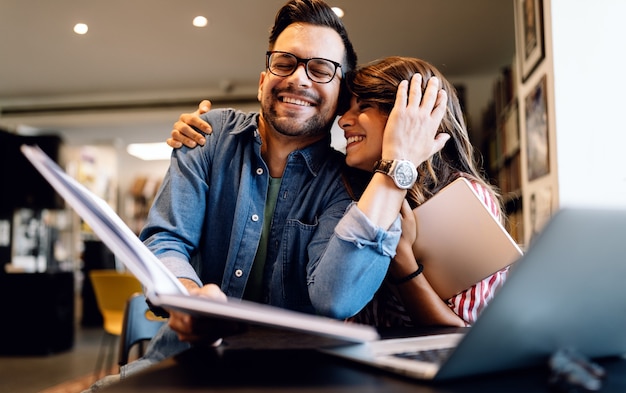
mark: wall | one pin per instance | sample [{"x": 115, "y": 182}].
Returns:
[
  {"x": 478, "y": 93},
  {"x": 541, "y": 195},
  {"x": 589, "y": 84},
  {"x": 585, "y": 83}
]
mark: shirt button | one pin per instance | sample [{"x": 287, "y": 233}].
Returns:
[
  {"x": 238, "y": 273},
  {"x": 259, "y": 171},
  {"x": 255, "y": 218}
]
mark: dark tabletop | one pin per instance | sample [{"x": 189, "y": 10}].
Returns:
[{"x": 267, "y": 360}]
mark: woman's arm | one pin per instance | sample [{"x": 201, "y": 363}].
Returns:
[
  {"x": 410, "y": 134},
  {"x": 422, "y": 303},
  {"x": 355, "y": 262}
]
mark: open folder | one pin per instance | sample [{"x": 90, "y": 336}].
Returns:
[{"x": 161, "y": 287}]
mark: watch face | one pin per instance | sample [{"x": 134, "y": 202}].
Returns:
[{"x": 405, "y": 175}]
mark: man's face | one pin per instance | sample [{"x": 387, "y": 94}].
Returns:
[{"x": 294, "y": 105}]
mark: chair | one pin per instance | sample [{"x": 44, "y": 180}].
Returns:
[
  {"x": 112, "y": 290},
  {"x": 140, "y": 325}
]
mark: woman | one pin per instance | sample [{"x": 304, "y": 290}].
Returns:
[
  {"x": 373, "y": 89},
  {"x": 405, "y": 298}
]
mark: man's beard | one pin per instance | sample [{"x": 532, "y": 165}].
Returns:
[{"x": 312, "y": 127}]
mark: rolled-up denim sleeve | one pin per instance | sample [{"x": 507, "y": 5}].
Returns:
[
  {"x": 356, "y": 227},
  {"x": 354, "y": 265}
]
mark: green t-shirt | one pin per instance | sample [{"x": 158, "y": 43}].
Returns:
[{"x": 254, "y": 286}]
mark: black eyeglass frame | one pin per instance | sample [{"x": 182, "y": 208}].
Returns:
[{"x": 299, "y": 61}]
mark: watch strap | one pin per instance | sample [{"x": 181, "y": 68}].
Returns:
[{"x": 383, "y": 166}]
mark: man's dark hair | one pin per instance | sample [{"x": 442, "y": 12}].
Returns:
[{"x": 315, "y": 12}]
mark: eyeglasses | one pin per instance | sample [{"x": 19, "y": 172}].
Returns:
[{"x": 318, "y": 70}]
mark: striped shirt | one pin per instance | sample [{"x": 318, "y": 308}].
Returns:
[{"x": 469, "y": 304}]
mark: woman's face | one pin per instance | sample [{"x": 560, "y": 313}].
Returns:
[{"x": 363, "y": 125}]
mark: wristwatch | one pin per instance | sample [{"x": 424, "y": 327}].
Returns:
[{"x": 403, "y": 172}]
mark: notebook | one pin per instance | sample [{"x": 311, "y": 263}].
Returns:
[
  {"x": 566, "y": 292},
  {"x": 459, "y": 241},
  {"x": 161, "y": 287}
]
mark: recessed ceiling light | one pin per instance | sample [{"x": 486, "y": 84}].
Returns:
[
  {"x": 338, "y": 11},
  {"x": 81, "y": 28},
  {"x": 200, "y": 21}
]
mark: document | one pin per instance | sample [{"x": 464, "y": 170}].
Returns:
[{"x": 162, "y": 288}]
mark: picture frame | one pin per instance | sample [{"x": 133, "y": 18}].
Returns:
[
  {"x": 537, "y": 148},
  {"x": 540, "y": 210},
  {"x": 529, "y": 35}
]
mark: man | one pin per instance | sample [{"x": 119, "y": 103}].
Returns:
[
  {"x": 259, "y": 201},
  {"x": 246, "y": 214}
]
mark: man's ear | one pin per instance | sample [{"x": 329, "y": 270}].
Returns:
[{"x": 261, "y": 80}]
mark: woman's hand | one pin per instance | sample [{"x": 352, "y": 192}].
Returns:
[
  {"x": 184, "y": 133},
  {"x": 411, "y": 130},
  {"x": 202, "y": 330},
  {"x": 404, "y": 262}
]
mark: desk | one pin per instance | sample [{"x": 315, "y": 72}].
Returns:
[{"x": 286, "y": 362}]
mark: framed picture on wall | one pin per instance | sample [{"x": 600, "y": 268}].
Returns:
[
  {"x": 540, "y": 210},
  {"x": 529, "y": 35},
  {"x": 537, "y": 131}
]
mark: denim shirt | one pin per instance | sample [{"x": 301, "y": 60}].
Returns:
[{"x": 206, "y": 222}]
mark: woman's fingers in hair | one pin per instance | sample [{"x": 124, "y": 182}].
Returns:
[
  {"x": 433, "y": 86},
  {"x": 434, "y": 96},
  {"x": 415, "y": 90},
  {"x": 440, "y": 141},
  {"x": 402, "y": 100}
]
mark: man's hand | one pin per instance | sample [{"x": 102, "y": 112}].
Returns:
[
  {"x": 202, "y": 330},
  {"x": 184, "y": 133}
]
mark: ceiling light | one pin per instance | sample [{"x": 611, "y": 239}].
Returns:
[
  {"x": 150, "y": 151},
  {"x": 338, "y": 11},
  {"x": 81, "y": 28},
  {"x": 200, "y": 21}
]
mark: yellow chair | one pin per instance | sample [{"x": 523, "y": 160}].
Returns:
[{"x": 112, "y": 290}]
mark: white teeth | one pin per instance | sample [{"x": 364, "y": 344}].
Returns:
[
  {"x": 295, "y": 101},
  {"x": 355, "y": 139}
]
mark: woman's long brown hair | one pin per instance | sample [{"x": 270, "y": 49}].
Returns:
[{"x": 376, "y": 83}]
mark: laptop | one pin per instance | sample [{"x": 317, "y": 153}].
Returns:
[
  {"x": 460, "y": 242},
  {"x": 566, "y": 292}
]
